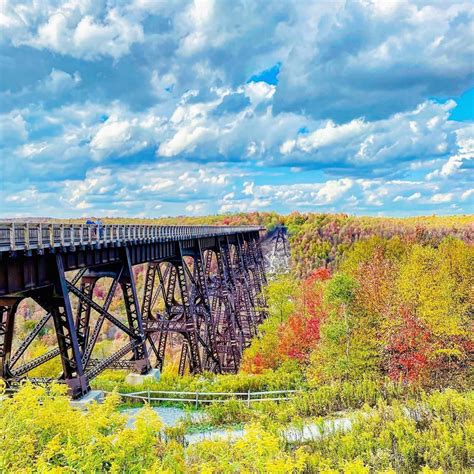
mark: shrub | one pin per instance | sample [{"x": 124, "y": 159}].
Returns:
[
  {"x": 40, "y": 431},
  {"x": 434, "y": 434},
  {"x": 258, "y": 451},
  {"x": 228, "y": 412}
]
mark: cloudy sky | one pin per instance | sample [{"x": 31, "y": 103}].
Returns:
[{"x": 151, "y": 107}]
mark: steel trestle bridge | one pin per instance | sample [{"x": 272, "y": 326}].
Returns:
[{"x": 202, "y": 289}]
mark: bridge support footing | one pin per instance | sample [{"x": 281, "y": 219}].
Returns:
[
  {"x": 139, "y": 379},
  {"x": 82, "y": 403}
]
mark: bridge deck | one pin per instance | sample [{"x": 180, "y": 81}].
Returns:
[{"x": 28, "y": 236}]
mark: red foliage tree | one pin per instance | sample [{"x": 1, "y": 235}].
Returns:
[
  {"x": 300, "y": 334},
  {"x": 320, "y": 274},
  {"x": 98, "y": 292},
  {"x": 409, "y": 347}
]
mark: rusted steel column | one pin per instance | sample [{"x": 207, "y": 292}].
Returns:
[
  {"x": 189, "y": 316},
  {"x": 148, "y": 289},
  {"x": 8, "y": 309},
  {"x": 231, "y": 344},
  {"x": 58, "y": 304},
  {"x": 168, "y": 286},
  {"x": 84, "y": 312},
  {"x": 132, "y": 307},
  {"x": 201, "y": 282}
]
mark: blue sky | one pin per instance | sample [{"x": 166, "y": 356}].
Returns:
[{"x": 151, "y": 108}]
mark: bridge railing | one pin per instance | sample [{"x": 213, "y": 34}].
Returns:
[{"x": 27, "y": 235}]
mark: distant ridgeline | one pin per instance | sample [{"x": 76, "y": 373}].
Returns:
[{"x": 320, "y": 240}]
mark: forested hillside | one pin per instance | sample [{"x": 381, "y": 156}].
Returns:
[
  {"x": 391, "y": 307},
  {"x": 320, "y": 240}
]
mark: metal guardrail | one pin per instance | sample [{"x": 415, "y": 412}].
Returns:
[
  {"x": 27, "y": 235},
  {"x": 197, "y": 398}
]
